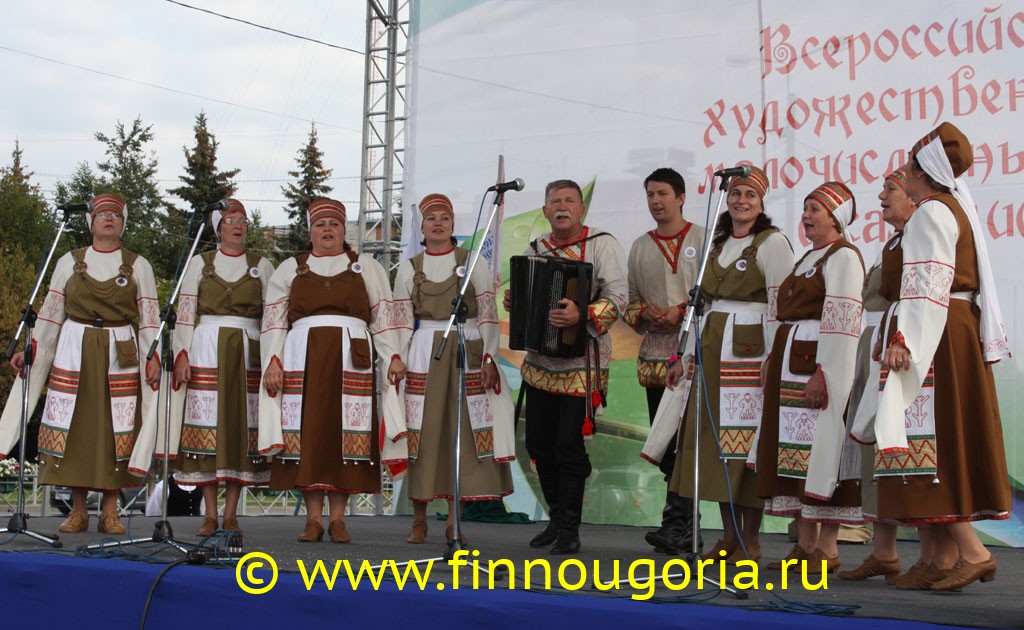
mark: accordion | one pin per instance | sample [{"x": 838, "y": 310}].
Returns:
[{"x": 537, "y": 285}]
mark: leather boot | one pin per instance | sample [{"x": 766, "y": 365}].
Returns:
[
  {"x": 549, "y": 488},
  {"x": 570, "y": 495},
  {"x": 676, "y": 532}
]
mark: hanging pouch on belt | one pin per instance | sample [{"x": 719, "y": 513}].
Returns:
[
  {"x": 748, "y": 340},
  {"x": 361, "y": 356},
  {"x": 803, "y": 357},
  {"x": 127, "y": 352},
  {"x": 474, "y": 353}
]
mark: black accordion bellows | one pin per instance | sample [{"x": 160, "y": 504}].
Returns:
[{"x": 537, "y": 284}]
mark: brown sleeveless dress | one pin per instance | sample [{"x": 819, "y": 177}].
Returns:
[
  {"x": 236, "y": 444},
  {"x": 972, "y": 479},
  {"x": 431, "y": 473},
  {"x": 800, "y": 298},
  {"x": 321, "y": 466},
  {"x": 89, "y": 458},
  {"x": 732, "y": 282}
]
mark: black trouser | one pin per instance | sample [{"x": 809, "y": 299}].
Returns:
[
  {"x": 554, "y": 433},
  {"x": 668, "y": 462}
]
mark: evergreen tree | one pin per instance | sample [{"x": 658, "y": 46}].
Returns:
[
  {"x": 311, "y": 182},
  {"x": 155, "y": 229},
  {"x": 23, "y": 235},
  {"x": 202, "y": 183},
  {"x": 23, "y": 209},
  {"x": 260, "y": 239},
  {"x": 83, "y": 186}
]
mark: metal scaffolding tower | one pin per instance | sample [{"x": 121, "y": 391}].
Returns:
[{"x": 380, "y": 199}]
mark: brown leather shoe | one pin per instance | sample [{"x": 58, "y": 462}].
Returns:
[
  {"x": 313, "y": 532},
  {"x": 449, "y": 534},
  {"x": 796, "y": 553},
  {"x": 338, "y": 533},
  {"x": 817, "y": 556},
  {"x": 208, "y": 527},
  {"x": 871, "y": 567},
  {"x": 715, "y": 553},
  {"x": 110, "y": 523},
  {"x": 76, "y": 521},
  {"x": 922, "y": 579},
  {"x": 739, "y": 554},
  {"x": 418, "y": 533},
  {"x": 965, "y": 572}
]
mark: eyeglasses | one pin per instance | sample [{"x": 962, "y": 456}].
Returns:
[
  {"x": 108, "y": 214},
  {"x": 239, "y": 220}
]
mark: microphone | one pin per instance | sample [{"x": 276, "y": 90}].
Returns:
[
  {"x": 742, "y": 170},
  {"x": 515, "y": 184},
  {"x": 216, "y": 205},
  {"x": 81, "y": 206}
]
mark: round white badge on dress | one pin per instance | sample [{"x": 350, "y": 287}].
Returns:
[
  {"x": 741, "y": 264},
  {"x": 460, "y": 271},
  {"x": 690, "y": 252},
  {"x": 356, "y": 267},
  {"x": 254, "y": 272},
  {"x": 121, "y": 281},
  {"x": 810, "y": 272}
]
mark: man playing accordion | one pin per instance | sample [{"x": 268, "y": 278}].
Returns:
[{"x": 561, "y": 393}]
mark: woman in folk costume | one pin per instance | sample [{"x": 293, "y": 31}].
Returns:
[
  {"x": 217, "y": 358},
  {"x": 937, "y": 428},
  {"x": 897, "y": 208},
  {"x": 326, "y": 311},
  {"x": 808, "y": 377},
  {"x": 424, "y": 289},
  {"x": 95, "y": 401},
  {"x": 748, "y": 260}
]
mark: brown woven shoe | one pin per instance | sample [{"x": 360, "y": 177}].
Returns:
[
  {"x": 110, "y": 523},
  {"x": 715, "y": 553},
  {"x": 418, "y": 533},
  {"x": 871, "y": 567},
  {"x": 208, "y": 527},
  {"x": 77, "y": 521},
  {"x": 338, "y": 533},
  {"x": 965, "y": 572},
  {"x": 817, "y": 556},
  {"x": 231, "y": 525},
  {"x": 313, "y": 532},
  {"x": 923, "y": 579},
  {"x": 739, "y": 554},
  {"x": 796, "y": 553}
]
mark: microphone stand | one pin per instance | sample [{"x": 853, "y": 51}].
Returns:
[
  {"x": 694, "y": 317},
  {"x": 18, "y": 523},
  {"x": 162, "y": 531},
  {"x": 458, "y": 320}
]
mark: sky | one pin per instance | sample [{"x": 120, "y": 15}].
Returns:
[{"x": 72, "y": 68}]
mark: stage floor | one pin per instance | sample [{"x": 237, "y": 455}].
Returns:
[{"x": 998, "y": 604}]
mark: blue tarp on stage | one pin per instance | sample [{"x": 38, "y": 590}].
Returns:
[{"x": 67, "y": 591}]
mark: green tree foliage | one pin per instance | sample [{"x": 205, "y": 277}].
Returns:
[
  {"x": 23, "y": 232},
  {"x": 202, "y": 182},
  {"x": 311, "y": 182},
  {"x": 83, "y": 185},
  {"x": 260, "y": 239},
  {"x": 155, "y": 230},
  {"x": 23, "y": 210}
]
